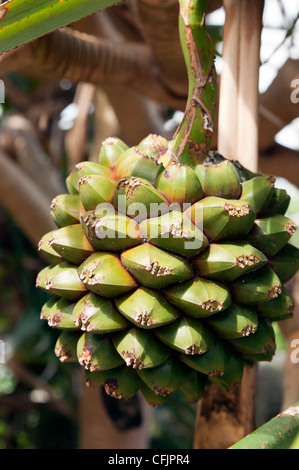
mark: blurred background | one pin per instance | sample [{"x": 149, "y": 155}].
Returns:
[{"x": 47, "y": 125}]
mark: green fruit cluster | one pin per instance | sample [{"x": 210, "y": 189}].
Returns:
[{"x": 165, "y": 277}]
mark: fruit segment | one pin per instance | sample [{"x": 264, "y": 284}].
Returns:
[
  {"x": 94, "y": 190},
  {"x": 199, "y": 297},
  {"x": 220, "y": 179},
  {"x": 166, "y": 378},
  {"x": 71, "y": 243},
  {"x": 271, "y": 234},
  {"x": 66, "y": 347},
  {"x": 194, "y": 386},
  {"x": 237, "y": 321},
  {"x": 139, "y": 199},
  {"x": 213, "y": 362},
  {"x": 256, "y": 288},
  {"x": 222, "y": 219},
  {"x": 96, "y": 353},
  {"x": 280, "y": 308},
  {"x": 163, "y": 277},
  {"x": 103, "y": 274},
  {"x": 66, "y": 209},
  {"x": 227, "y": 261},
  {"x": 134, "y": 162},
  {"x": 174, "y": 232},
  {"x": 47, "y": 252},
  {"x": 186, "y": 335},
  {"x": 258, "y": 191},
  {"x": 179, "y": 184},
  {"x": 259, "y": 346},
  {"x": 279, "y": 202},
  {"x": 111, "y": 149},
  {"x": 86, "y": 169},
  {"x": 154, "y": 146},
  {"x": 96, "y": 314},
  {"x": 147, "y": 308},
  {"x": 286, "y": 262},
  {"x": 140, "y": 349},
  {"x": 61, "y": 280},
  {"x": 108, "y": 230},
  {"x": 60, "y": 315},
  {"x": 155, "y": 268},
  {"x": 121, "y": 382}
]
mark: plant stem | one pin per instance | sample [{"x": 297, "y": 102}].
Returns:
[
  {"x": 193, "y": 137},
  {"x": 278, "y": 433}
]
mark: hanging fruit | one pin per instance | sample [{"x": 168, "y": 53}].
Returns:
[{"x": 168, "y": 262}]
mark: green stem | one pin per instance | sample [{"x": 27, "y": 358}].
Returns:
[
  {"x": 278, "y": 433},
  {"x": 193, "y": 137}
]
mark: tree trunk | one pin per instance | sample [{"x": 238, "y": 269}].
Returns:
[{"x": 97, "y": 430}]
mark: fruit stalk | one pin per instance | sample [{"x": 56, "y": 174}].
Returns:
[{"x": 193, "y": 137}]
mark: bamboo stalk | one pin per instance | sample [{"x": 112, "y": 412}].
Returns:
[
  {"x": 226, "y": 417},
  {"x": 228, "y": 90},
  {"x": 278, "y": 433},
  {"x": 247, "y": 97},
  {"x": 238, "y": 100}
]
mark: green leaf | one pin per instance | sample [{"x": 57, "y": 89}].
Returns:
[{"x": 22, "y": 21}]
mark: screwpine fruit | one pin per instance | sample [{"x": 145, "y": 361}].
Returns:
[{"x": 165, "y": 277}]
